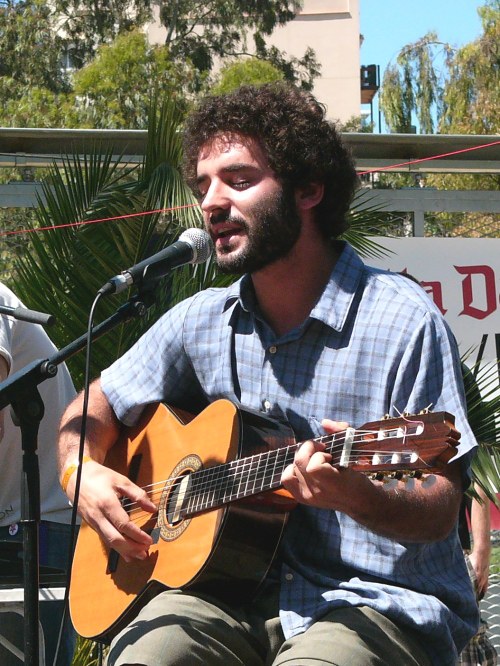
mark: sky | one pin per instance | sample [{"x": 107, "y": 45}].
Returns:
[{"x": 388, "y": 25}]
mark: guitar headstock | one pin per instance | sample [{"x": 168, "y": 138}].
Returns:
[{"x": 409, "y": 445}]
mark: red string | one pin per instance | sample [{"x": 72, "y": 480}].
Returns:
[
  {"x": 103, "y": 219},
  {"x": 166, "y": 210}
]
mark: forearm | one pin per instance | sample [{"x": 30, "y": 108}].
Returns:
[
  {"x": 481, "y": 544},
  {"x": 101, "y": 428},
  {"x": 101, "y": 487},
  {"x": 480, "y": 524},
  {"x": 421, "y": 511},
  {"x": 412, "y": 511}
]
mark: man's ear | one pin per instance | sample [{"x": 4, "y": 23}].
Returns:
[{"x": 308, "y": 196}]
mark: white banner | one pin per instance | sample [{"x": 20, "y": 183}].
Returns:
[{"x": 462, "y": 276}]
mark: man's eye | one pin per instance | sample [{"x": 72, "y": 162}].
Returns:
[{"x": 240, "y": 184}]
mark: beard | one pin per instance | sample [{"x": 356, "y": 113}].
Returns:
[{"x": 275, "y": 231}]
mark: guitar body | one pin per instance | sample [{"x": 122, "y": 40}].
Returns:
[
  {"x": 226, "y": 551},
  {"x": 216, "y": 480}
]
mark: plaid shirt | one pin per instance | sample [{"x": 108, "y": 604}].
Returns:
[{"x": 373, "y": 344}]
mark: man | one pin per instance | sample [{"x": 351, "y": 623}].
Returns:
[
  {"x": 476, "y": 512},
  {"x": 21, "y": 343},
  {"x": 474, "y": 530},
  {"x": 364, "y": 575}
]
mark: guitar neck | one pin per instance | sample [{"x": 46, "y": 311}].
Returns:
[
  {"x": 215, "y": 486},
  {"x": 398, "y": 446}
]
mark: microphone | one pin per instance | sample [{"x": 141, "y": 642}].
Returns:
[
  {"x": 193, "y": 247},
  {"x": 31, "y": 316}
]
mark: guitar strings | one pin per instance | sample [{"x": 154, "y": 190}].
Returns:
[
  {"x": 210, "y": 482},
  {"x": 237, "y": 471},
  {"x": 240, "y": 467}
]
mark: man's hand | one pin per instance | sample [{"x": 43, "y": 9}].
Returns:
[
  {"x": 481, "y": 565},
  {"x": 420, "y": 512},
  {"x": 312, "y": 479},
  {"x": 100, "y": 505},
  {"x": 101, "y": 488}
]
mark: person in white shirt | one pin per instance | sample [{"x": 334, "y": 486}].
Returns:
[{"x": 20, "y": 344}]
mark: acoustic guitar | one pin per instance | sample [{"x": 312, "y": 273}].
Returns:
[{"x": 215, "y": 479}]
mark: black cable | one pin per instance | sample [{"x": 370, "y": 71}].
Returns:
[{"x": 74, "y": 514}]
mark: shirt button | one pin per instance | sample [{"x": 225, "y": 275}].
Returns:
[
  {"x": 267, "y": 405},
  {"x": 288, "y": 576},
  {"x": 273, "y": 349}
]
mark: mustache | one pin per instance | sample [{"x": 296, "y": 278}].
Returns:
[{"x": 225, "y": 216}]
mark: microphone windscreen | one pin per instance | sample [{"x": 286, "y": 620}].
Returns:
[{"x": 201, "y": 243}]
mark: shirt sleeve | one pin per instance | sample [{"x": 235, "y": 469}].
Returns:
[
  {"x": 430, "y": 375},
  {"x": 156, "y": 368},
  {"x": 6, "y": 331}
]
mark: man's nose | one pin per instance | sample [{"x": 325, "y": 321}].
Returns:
[{"x": 215, "y": 198}]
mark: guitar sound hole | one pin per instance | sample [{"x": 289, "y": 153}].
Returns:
[{"x": 176, "y": 501}]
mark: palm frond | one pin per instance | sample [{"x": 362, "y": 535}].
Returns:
[
  {"x": 118, "y": 208},
  {"x": 366, "y": 219},
  {"x": 482, "y": 395}
]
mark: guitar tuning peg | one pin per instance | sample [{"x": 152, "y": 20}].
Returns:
[
  {"x": 386, "y": 417},
  {"x": 425, "y": 411},
  {"x": 415, "y": 474},
  {"x": 428, "y": 480},
  {"x": 395, "y": 475},
  {"x": 389, "y": 484},
  {"x": 409, "y": 482}
]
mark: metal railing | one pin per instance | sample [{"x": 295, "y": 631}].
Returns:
[{"x": 490, "y": 605}]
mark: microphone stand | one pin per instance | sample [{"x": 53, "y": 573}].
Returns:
[{"x": 20, "y": 391}]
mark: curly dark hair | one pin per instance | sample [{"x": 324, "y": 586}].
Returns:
[{"x": 300, "y": 144}]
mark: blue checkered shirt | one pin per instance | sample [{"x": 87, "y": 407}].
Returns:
[{"x": 373, "y": 344}]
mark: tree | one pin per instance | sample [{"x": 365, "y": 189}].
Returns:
[
  {"x": 471, "y": 98},
  {"x": 31, "y": 78},
  {"x": 250, "y": 71},
  {"x": 112, "y": 68},
  {"x": 463, "y": 97},
  {"x": 114, "y": 89},
  {"x": 33, "y": 85},
  {"x": 412, "y": 86},
  {"x": 35, "y": 106},
  {"x": 483, "y": 408},
  {"x": 30, "y": 46},
  {"x": 195, "y": 31},
  {"x": 204, "y": 31},
  {"x": 88, "y": 24},
  {"x": 12, "y": 244}
]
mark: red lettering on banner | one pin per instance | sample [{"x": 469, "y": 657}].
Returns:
[
  {"x": 467, "y": 290},
  {"x": 435, "y": 291}
]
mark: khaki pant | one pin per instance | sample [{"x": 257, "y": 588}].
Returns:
[{"x": 179, "y": 629}]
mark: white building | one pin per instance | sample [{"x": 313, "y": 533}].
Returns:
[{"x": 331, "y": 29}]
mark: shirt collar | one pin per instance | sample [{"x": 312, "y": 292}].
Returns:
[{"x": 335, "y": 302}]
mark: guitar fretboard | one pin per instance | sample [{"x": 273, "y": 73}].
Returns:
[{"x": 213, "y": 487}]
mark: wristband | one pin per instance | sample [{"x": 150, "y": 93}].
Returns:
[{"x": 72, "y": 467}]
